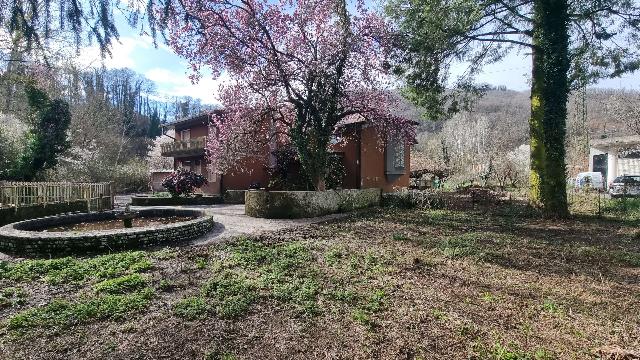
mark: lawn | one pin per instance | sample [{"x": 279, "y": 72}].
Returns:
[{"x": 498, "y": 283}]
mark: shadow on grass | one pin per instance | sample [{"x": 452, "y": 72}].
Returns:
[{"x": 516, "y": 236}]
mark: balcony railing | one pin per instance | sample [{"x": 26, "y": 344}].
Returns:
[{"x": 192, "y": 147}]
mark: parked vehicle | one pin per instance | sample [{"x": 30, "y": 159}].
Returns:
[
  {"x": 590, "y": 180},
  {"x": 626, "y": 185}
]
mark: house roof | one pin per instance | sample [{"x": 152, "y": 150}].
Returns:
[
  {"x": 201, "y": 118},
  {"x": 615, "y": 142}
]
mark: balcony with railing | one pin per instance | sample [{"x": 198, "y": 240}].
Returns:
[{"x": 180, "y": 148}]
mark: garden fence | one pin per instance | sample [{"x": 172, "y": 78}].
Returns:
[{"x": 99, "y": 196}]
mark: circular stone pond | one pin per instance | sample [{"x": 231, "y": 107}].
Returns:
[{"x": 99, "y": 232}]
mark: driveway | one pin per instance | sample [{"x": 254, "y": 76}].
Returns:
[{"x": 231, "y": 221}]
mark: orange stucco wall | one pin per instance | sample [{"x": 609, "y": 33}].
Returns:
[
  {"x": 195, "y": 131},
  {"x": 360, "y": 143},
  {"x": 373, "y": 165},
  {"x": 256, "y": 172},
  {"x": 348, "y": 147}
]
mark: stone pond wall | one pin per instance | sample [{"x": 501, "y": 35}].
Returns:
[
  {"x": 11, "y": 215},
  {"x": 25, "y": 238},
  {"x": 303, "y": 204}
]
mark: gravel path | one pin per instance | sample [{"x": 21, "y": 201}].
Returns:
[{"x": 231, "y": 221}]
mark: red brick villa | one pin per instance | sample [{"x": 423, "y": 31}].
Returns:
[{"x": 366, "y": 164}]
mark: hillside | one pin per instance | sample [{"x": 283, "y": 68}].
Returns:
[{"x": 483, "y": 143}]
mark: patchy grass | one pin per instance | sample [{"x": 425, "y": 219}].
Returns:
[
  {"x": 191, "y": 308},
  {"x": 63, "y": 314},
  {"x": 511, "y": 352},
  {"x": 12, "y": 296},
  {"x": 494, "y": 283},
  {"x": 73, "y": 270},
  {"x": 283, "y": 272},
  {"x": 121, "y": 285},
  {"x": 230, "y": 294}
]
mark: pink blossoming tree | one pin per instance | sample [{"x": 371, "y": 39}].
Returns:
[{"x": 297, "y": 69}]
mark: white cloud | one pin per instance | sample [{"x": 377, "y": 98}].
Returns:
[
  {"x": 121, "y": 53},
  {"x": 207, "y": 89},
  {"x": 160, "y": 75},
  {"x": 174, "y": 83}
]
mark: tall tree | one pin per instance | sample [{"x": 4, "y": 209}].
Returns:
[
  {"x": 47, "y": 139},
  {"x": 571, "y": 43},
  {"x": 297, "y": 69}
]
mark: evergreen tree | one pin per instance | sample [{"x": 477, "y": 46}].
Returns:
[
  {"x": 572, "y": 44},
  {"x": 47, "y": 139}
]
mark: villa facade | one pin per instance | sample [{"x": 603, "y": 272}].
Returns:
[{"x": 367, "y": 164}]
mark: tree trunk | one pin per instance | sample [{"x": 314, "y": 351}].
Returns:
[
  {"x": 549, "y": 95},
  {"x": 536, "y": 130},
  {"x": 313, "y": 153}
]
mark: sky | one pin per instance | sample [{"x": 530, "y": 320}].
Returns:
[
  {"x": 170, "y": 72},
  {"x": 160, "y": 64}
]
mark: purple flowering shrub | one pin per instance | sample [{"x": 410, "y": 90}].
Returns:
[{"x": 183, "y": 182}]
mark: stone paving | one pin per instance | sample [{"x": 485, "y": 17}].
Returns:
[{"x": 231, "y": 221}]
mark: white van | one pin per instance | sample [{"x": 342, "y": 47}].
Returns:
[{"x": 590, "y": 180}]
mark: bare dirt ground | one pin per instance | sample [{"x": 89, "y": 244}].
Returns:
[{"x": 497, "y": 283}]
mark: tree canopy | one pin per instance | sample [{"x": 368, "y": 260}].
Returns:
[
  {"x": 572, "y": 44},
  {"x": 434, "y": 34},
  {"x": 297, "y": 70}
]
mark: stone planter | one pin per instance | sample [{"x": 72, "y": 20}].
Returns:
[
  {"x": 175, "y": 201},
  {"x": 305, "y": 204},
  {"x": 234, "y": 196}
]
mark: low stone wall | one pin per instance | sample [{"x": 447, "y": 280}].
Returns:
[
  {"x": 175, "y": 201},
  {"x": 25, "y": 238},
  {"x": 304, "y": 204},
  {"x": 11, "y": 215},
  {"x": 234, "y": 196}
]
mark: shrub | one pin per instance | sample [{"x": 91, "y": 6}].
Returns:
[{"x": 183, "y": 182}]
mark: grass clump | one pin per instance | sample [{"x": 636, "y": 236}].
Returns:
[
  {"x": 231, "y": 294},
  {"x": 511, "y": 352},
  {"x": 371, "y": 305},
  {"x": 551, "y": 307},
  {"x": 283, "y": 271},
  {"x": 627, "y": 258},
  {"x": 121, "y": 285},
  {"x": 191, "y": 308},
  {"x": 347, "y": 296},
  {"x": 400, "y": 237},
  {"x": 12, "y": 296},
  {"x": 74, "y": 270},
  {"x": 63, "y": 314},
  {"x": 459, "y": 246}
]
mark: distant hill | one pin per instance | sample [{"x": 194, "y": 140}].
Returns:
[{"x": 474, "y": 143}]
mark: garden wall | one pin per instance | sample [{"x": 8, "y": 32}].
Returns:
[
  {"x": 13, "y": 214},
  {"x": 175, "y": 201},
  {"x": 234, "y": 196},
  {"x": 303, "y": 204},
  {"x": 26, "y": 238}
]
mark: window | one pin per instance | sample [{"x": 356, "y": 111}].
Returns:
[
  {"x": 394, "y": 157},
  {"x": 398, "y": 158},
  {"x": 185, "y": 135}
]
